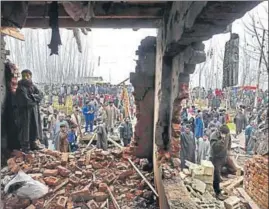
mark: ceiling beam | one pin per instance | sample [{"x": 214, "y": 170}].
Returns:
[
  {"x": 95, "y": 23},
  {"x": 115, "y": 11}
]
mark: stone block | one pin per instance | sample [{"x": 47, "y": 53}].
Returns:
[
  {"x": 198, "y": 185},
  {"x": 205, "y": 179},
  {"x": 208, "y": 167},
  {"x": 61, "y": 202},
  {"x": 50, "y": 172},
  {"x": 232, "y": 202}
]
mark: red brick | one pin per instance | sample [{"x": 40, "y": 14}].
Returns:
[
  {"x": 51, "y": 181},
  {"x": 92, "y": 205},
  {"x": 102, "y": 187},
  {"x": 39, "y": 204},
  {"x": 61, "y": 202},
  {"x": 50, "y": 172},
  {"x": 100, "y": 196},
  {"x": 29, "y": 158},
  {"x": 125, "y": 174},
  {"x": 138, "y": 193},
  {"x": 12, "y": 166},
  {"x": 83, "y": 182},
  {"x": 81, "y": 195},
  {"x": 110, "y": 178},
  {"x": 74, "y": 180},
  {"x": 100, "y": 157},
  {"x": 64, "y": 158},
  {"x": 117, "y": 153},
  {"x": 81, "y": 161},
  {"x": 96, "y": 165},
  {"x": 130, "y": 196},
  {"x": 87, "y": 173},
  {"x": 64, "y": 172}
]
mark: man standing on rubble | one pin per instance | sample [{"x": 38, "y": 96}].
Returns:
[
  {"x": 220, "y": 144},
  {"x": 126, "y": 132},
  {"x": 188, "y": 146},
  {"x": 28, "y": 99},
  {"x": 101, "y": 135}
]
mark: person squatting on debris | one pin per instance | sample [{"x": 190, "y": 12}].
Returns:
[
  {"x": 101, "y": 135},
  {"x": 28, "y": 99},
  {"x": 220, "y": 143},
  {"x": 187, "y": 146},
  {"x": 126, "y": 132}
]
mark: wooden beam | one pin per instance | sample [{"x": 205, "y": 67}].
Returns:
[
  {"x": 95, "y": 23},
  {"x": 116, "y": 11}
]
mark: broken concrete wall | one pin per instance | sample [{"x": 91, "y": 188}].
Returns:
[{"x": 143, "y": 81}]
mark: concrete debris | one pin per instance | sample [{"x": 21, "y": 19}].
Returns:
[
  {"x": 232, "y": 202},
  {"x": 90, "y": 179}
]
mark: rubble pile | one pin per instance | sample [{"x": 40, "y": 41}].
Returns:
[
  {"x": 256, "y": 180},
  {"x": 198, "y": 180},
  {"x": 89, "y": 178}
]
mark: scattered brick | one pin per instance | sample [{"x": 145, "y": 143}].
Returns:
[
  {"x": 61, "y": 202},
  {"x": 12, "y": 166},
  {"x": 92, "y": 205},
  {"x": 110, "y": 178},
  {"x": 64, "y": 158},
  {"x": 74, "y": 180},
  {"x": 51, "y": 181},
  {"x": 64, "y": 172},
  {"x": 100, "y": 196},
  {"x": 50, "y": 172},
  {"x": 81, "y": 195},
  {"x": 125, "y": 174},
  {"x": 102, "y": 187}
]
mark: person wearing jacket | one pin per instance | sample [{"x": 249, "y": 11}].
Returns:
[
  {"x": 28, "y": 98},
  {"x": 126, "y": 132},
  {"x": 220, "y": 144},
  {"x": 72, "y": 138},
  {"x": 199, "y": 126},
  {"x": 101, "y": 135},
  {"x": 88, "y": 112}
]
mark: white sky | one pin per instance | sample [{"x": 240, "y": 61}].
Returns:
[{"x": 117, "y": 51}]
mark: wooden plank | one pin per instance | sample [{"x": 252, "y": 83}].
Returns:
[
  {"x": 235, "y": 183},
  {"x": 95, "y": 23},
  {"x": 251, "y": 203},
  {"x": 12, "y": 32}
]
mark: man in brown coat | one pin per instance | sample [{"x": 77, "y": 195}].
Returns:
[{"x": 62, "y": 143}]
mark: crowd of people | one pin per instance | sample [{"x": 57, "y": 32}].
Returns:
[
  {"x": 231, "y": 98},
  {"x": 205, "y": 135},
  {"x": 99, "y": 111}
]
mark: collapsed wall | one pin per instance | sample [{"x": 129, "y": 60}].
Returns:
[
  {"x": 143, "y": 82},
  {"x": 256, "y": 180}
]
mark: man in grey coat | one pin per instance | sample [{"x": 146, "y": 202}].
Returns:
[{"x": 126, "y": 132}]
